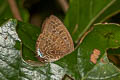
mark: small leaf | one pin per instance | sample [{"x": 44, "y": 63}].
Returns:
[{"x": 28, "y": 35}]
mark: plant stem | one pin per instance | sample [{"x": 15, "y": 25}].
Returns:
[{"x": 14, "y": 9}]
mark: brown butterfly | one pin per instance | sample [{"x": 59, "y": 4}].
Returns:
[{"x": 54, "y": 42}]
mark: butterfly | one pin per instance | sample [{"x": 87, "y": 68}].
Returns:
[{"x": 54, "y": 42}]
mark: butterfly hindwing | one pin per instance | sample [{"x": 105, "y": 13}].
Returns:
[{"x": 55, "y": 41}]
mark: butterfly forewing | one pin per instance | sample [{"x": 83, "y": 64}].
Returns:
[
  {"x": 55, "y": 26},
  {"x": 55, "y": 41}
]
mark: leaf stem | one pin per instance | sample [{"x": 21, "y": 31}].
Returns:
[
  {"x": 64, "y": 5},
  {"x": 14, "y": 9}
]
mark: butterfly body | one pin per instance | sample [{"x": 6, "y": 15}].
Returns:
[{"x": 54, "y": 42}]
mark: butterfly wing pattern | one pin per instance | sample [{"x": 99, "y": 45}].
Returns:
[{"x": 54, "y": 42}]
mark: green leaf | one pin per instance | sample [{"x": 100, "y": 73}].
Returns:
[
  {"x": 5, "y": 11},
  {"x": 112, "y": 10},
  {"x": 28, "y": 35},
  {"x": 82, "y": 14},
  {"x": 102, "y": 37},
  {"x": 69, "y": 64},
  {"x": 28, "y": 54}
]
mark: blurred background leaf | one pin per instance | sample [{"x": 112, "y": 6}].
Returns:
[
  {"x": 110, "y": 12},
  {"x": 82, "y": 14},
  {"x": 5, "y": 11}
]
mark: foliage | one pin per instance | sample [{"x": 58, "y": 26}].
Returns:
[{"x": 86, "y": 22}]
